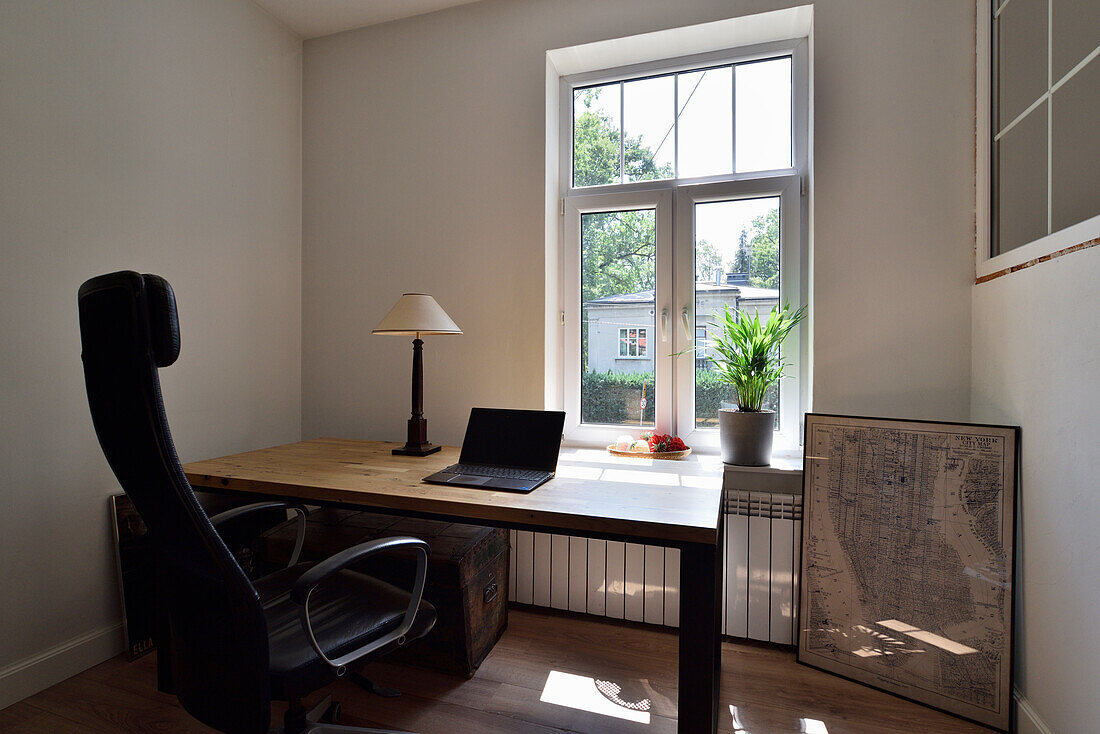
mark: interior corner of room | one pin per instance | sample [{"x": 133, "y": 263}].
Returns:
[{"x": 294, "y": 172}]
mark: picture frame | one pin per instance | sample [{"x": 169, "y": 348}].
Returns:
[{"x": 908, "y": 559}]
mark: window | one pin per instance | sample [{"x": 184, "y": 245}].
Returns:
[
  {"x": 632, "y": 342},
  {"x": 681, "y": 186},
  {"x": 1042, "y": 114},
  {"x": 701, "y": 122}
]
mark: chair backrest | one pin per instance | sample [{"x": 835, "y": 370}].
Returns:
[{"x": 219, "y": 648}]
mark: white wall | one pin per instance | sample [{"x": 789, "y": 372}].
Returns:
[
  {"x": 1036, "y": 364},
  {"x": 423, "y": 170},
  {"x": 155, "y": 136}
]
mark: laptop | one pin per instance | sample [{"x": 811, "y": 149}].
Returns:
[{"x": 516, "y": 450}]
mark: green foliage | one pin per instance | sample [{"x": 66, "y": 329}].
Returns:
[
  {"x": 595, "y": 146},
  {"x": 596, "y": 149},
  {"x": 619, "y": 251},
  {"x": 613, "y": 397},
  {"x": 742, "y": 261},
  {"x": 710, "y": 393},
  {"x": 748, "y": 351},
  {"x": 764, "y": 248},
  {"x": 707, "y": 260}
]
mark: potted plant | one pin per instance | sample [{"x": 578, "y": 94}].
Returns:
[{"x": 748, "y": 359}]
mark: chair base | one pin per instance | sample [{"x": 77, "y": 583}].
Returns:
[{"x": 315, "y": 725}]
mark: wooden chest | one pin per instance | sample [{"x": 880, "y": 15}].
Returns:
[{"x": 467, "y": 577}]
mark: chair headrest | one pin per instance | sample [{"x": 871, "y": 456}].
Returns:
[
  {"x": 154, "y": 295},
  {"x": 164, "y": 323}
]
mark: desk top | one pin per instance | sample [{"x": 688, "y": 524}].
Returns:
[{"x": 593, "y": 492}]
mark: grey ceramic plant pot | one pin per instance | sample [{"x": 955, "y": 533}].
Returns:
[{"x": 746, "y": 438}]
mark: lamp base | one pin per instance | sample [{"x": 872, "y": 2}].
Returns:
[
  {"x": 417, "y": 449},
  {"x": 417, "y": 443}
]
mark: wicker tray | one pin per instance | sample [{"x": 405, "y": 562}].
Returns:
[{"x": 674, "y": 455}]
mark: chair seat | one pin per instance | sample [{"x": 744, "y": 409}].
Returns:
[{"x": 347, "y": 611}]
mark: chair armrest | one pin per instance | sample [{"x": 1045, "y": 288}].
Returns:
[
  {"x": 237, "y": 512},
  {"x": 311, "y": 579}
]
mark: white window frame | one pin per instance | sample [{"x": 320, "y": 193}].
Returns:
[
  {"x": 985, "y": 262},
  {"x": 592, "y": 434},
  {"x": 675, "y": 264},
  {"x": 790, "y": 290}
]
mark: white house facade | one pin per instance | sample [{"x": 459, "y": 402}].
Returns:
[{"x": 622, "y": 328}]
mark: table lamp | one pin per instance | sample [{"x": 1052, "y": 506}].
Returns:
[{"x": 419, "y": 314}]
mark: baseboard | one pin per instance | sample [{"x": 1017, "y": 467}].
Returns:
[
  {"x": 1028, "y": 720},
  {"x": 43, "y": 669}
]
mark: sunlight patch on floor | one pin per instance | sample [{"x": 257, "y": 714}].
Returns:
[{"x": 584, "y": 693}]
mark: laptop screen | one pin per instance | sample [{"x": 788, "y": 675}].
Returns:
[{"x": 528, "y": 439}]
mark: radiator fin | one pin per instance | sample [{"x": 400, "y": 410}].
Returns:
[{"x": 760, "y": 550}]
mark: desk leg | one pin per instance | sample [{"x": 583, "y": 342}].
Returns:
[{"x": 700, "y": 639}]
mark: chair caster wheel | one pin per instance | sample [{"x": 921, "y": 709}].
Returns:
[{"x": 332, "y": 714}]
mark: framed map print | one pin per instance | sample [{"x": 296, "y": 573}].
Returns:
[{"x": 908, "y": 553}]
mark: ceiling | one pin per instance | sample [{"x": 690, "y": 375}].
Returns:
[{"x": 311, "y": 18}]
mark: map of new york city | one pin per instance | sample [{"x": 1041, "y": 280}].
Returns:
[{"x": 907, "y": 582}]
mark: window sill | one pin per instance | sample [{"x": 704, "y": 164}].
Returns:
[{"x": 783, "y": 476}]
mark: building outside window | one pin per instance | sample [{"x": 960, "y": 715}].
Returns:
[{"x": 681, "y": 185}]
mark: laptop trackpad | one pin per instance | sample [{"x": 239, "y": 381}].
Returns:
[{"x": 469, "y": 479}]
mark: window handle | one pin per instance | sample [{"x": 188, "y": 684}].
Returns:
[
  {"x": 664, "y": 324},
  {"x": 684, "y": 322}
]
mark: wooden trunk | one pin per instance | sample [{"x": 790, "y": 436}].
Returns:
[{"x": 467, "y": 577}]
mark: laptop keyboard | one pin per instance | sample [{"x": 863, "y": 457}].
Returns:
[{"x": 504, "y": 472}]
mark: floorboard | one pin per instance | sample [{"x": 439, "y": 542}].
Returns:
[{"x": 764, "y": 691}]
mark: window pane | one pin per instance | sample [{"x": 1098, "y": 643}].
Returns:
[
  {"x": 736, "y": 265},
  {"x": 763, "y": 115},
  {"x": 705, "y": 105},
  {"x": 618, "y": 275},
  {"x": 647, "y": 126},
  {"x": 596, "y": 130}
]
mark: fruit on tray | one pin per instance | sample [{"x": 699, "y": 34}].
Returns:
[
  {"x": 624, "y": 442},
  {"x": 664, "y": 442},
  {"x": 650, "y": 443}
]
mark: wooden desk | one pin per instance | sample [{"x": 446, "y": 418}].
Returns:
[{"x": 595, "y": 495}]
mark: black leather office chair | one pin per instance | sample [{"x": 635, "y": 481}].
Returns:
[{"x": 227, "y": 646}]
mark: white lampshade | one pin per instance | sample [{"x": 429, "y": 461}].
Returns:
[{"x": 417, "y": 313}]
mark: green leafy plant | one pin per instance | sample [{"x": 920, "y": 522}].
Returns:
[{"x": 748, "y": 356}]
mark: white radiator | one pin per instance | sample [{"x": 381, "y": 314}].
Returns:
[
  {"x": 763, "y": 539},
  {"x": 642, "y": 582}
]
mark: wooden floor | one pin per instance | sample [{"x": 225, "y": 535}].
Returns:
[{"x": 764, "y": 691}]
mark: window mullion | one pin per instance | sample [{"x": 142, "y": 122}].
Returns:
[
  {"x": 622, "y": 132},
  {"x": 733, "y": 119},
  {"x": 676, "y": 126}
]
